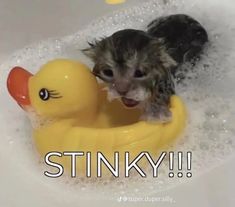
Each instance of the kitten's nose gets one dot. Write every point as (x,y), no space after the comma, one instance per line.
(121,88)
(122,92)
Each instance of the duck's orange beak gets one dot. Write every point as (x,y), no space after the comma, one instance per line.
(17,84)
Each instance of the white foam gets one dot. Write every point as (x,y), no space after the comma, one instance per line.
(208,93)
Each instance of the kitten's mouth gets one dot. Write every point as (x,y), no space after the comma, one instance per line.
(130,103)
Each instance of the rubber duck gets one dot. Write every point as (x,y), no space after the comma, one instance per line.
(74,114)
(115,1)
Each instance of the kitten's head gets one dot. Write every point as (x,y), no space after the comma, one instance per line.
(131,62)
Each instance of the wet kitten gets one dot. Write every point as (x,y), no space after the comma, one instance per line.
(139,66)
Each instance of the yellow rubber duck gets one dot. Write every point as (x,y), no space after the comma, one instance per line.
(74,115)
(115,1)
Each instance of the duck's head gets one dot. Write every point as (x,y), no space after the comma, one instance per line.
(61,88)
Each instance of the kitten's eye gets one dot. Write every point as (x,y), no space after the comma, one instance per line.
(139,74)
(108,73)
(44,94)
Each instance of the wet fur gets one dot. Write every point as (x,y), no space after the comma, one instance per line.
(168,42)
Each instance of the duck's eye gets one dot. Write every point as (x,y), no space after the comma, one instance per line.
(44,94)
(108,73)
(139,74)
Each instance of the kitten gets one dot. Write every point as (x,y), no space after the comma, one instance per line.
(139,66)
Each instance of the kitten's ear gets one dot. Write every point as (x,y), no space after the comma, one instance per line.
(166,60)
(91,51)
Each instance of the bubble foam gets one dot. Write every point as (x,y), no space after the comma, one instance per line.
(207,92)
